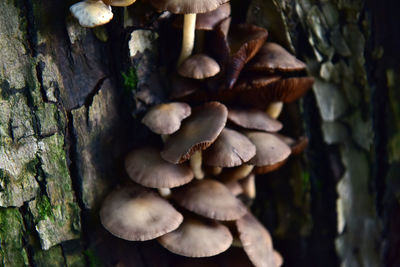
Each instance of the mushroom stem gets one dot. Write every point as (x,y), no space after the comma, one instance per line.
(164,192)
(249,186)
(195,163)
(237,173)
(189,27)
(164,137)
(274,109)
(215,171)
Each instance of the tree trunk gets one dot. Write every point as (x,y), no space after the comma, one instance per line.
(69,101)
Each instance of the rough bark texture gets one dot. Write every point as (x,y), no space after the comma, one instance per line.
(69,99)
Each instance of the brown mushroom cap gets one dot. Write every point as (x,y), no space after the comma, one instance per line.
(146,167)
(210,199)
(199,66)
(270,149)
(166,118)
(136,214)
(274,58)
(231,149)
(297,146)
(256,241)
(195,238)
(207,21)
(187,6)
(199,131)
(285,90)
(254,119)
(119,2)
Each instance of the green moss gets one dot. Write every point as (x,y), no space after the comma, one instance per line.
(44,208)
(130,79)
(306,181)
(12,228)
(92,258)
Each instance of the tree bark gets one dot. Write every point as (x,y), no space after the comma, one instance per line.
(69,102)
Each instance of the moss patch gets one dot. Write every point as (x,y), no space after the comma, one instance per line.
(130,79)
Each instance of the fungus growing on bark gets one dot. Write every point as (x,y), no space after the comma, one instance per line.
(91,13)
(195,238)
(136,214)
(199,66)
(166,118)
(189,8)
(210,199)
(254,119)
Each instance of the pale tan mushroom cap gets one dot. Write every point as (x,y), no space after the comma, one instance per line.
(198,132)
(146,167)
(91,13)
(254,119)
(119,2)
(197,239)
(187,6)
(270,149)
(256,241)
(210,199)
(278,258)
(166,118)
(136,214)
(231,149)
(199,66)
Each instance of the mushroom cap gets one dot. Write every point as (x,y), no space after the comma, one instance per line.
(254,119)
(199,131)
(195,238)
(136,214)
(272,58)
(256,241)
(278,258)
(207,21)
(210,199)
(166,118)
(119,2)
(270,149)
(91,13)
(285,90)
(231,149)
(187,6)
(146,167)
(235,187)
(199,66)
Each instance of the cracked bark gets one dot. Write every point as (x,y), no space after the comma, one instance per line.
(66,121)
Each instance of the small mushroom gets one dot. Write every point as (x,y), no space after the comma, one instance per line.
(166,118)
(235,187)
(136,214)
(146,167)
(210,199)
(256,241)
(199,66)
(254,119)
(271,151)
(274,58)
(196,238)
(237,173)
(297,146)
(231,149)
(198,132)
(189,8)
(248,185)
(119,2)
(91,13)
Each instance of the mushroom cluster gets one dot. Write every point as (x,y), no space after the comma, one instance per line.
(219,131)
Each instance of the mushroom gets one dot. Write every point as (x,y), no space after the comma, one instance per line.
(136,214)
(235,187)
(271,152)
(248,185)
(256,241)
(146,167)
(197,133)
(196,238)
(166,118)
(254,119)
(91,13)
(119,2)
(199,66)
(189,8)
(210,199)
(231,149)
(297,146)
(234,174)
